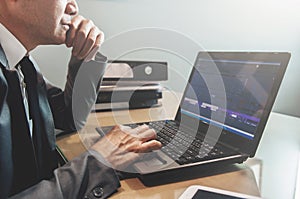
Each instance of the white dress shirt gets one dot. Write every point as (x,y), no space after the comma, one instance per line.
(14,52)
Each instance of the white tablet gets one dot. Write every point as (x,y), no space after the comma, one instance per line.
(200,192)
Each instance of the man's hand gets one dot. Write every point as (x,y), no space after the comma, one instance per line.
(84,37)
(123,145)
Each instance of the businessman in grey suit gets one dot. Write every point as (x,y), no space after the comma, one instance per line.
(30,107)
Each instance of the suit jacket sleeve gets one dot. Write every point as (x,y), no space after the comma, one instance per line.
(85,177)
(71,107)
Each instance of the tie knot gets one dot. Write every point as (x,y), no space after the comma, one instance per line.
(28,70)
(25,62)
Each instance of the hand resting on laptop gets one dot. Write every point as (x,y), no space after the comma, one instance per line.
(123,145)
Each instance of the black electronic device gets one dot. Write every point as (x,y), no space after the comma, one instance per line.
(131,84)
(135,71)
(129,97)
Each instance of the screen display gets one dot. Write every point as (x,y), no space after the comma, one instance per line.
(230,94)
(200,194)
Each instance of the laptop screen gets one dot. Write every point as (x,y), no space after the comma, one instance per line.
(230,93)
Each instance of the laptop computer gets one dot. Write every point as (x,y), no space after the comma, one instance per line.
(222,114)
(225,106)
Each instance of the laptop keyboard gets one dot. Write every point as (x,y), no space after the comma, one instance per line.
(183,147)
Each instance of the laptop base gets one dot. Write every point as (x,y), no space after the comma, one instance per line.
(188,173)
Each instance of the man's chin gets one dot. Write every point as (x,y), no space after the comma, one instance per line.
(59,39)
(58,42)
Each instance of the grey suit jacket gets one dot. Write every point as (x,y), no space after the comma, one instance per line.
(84,177)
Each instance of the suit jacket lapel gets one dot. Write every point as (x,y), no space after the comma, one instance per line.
(3,59)
(3,83)
(6,172)
(45,112)
(45,141)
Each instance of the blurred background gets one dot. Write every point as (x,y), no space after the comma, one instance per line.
(257,25)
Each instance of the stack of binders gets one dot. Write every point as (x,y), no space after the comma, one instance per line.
(131,85)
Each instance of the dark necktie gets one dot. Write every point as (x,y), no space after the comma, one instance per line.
(30,79)
(40,113)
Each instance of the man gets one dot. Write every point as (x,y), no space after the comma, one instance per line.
(28,103)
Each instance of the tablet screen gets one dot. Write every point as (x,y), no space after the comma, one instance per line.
(200,194)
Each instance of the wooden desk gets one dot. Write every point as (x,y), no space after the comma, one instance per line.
(240,180)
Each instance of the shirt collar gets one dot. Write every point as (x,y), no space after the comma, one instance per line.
(12,47)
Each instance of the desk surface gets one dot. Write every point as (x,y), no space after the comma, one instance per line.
(240,180)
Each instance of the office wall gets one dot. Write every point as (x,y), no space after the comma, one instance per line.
(174,30)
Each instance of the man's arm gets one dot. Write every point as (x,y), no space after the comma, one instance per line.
(71,107)
(83,177)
